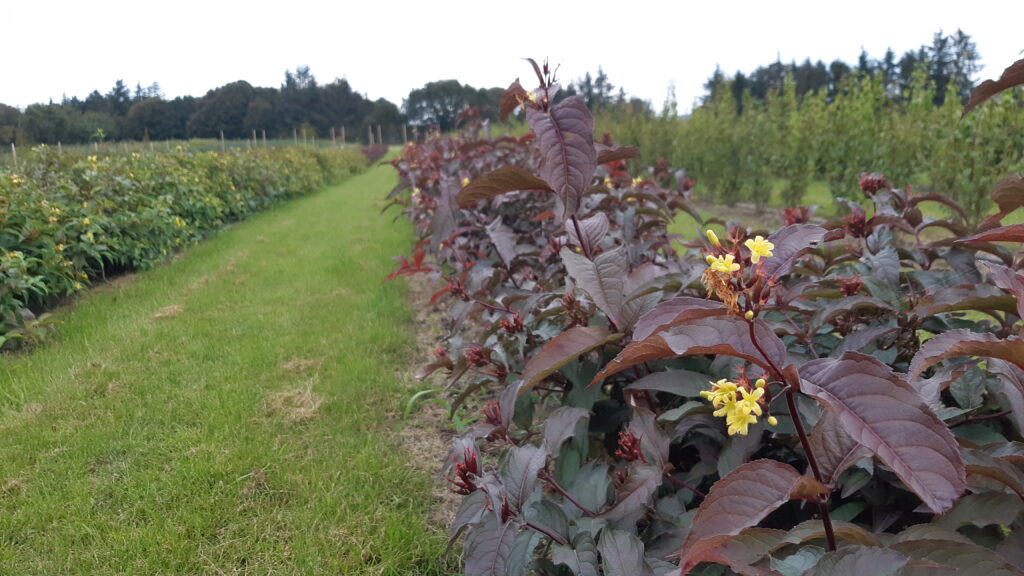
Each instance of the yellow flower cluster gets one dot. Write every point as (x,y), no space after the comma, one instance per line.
(737,404)
(724,264)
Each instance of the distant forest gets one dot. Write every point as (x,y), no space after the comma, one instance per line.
(303,105)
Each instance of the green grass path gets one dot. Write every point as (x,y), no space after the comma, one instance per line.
(173,425)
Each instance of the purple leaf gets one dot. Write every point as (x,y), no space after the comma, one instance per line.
(488,547)
(790,243)
(815,530)
(653,440)
(834,448)
(502,180)
(563,349)
(607,154)
(1011,233)
(726,335)
(857,341)
(446,217)
(561,425)
(964,297)
(1011,381)
(741,500)
(963,342)
(883,413)
(676,311)
(565,136)
(581,557)
(622,553)
(511,99)
(859,560)
(1010,281)
(971,559)
(635,494)
(593,230)
(503,239)
(603,279)
(519,473)
(982,509)
(981,465)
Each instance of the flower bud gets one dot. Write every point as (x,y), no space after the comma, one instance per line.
(749,315)
(713,238)
(773,421)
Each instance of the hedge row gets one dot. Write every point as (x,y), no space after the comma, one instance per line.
(66,219)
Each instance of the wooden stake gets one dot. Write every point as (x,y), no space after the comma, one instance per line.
(405,134)
(379,139)
(342,135)
(264,138)
(14,154)
(59,149)
(222,148)
(369,131)
(334,141)
(295,136)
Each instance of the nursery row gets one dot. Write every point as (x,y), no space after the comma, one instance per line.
(66,219)
(820,399)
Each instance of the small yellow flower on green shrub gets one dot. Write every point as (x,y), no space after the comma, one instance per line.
(86,221)
(759,248)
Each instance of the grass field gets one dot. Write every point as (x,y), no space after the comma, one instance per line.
(231,413)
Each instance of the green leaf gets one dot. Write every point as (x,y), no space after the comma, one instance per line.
(581,557)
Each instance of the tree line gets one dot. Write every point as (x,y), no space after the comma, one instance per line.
(300,105)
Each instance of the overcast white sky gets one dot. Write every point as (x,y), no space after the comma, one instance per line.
(385,49)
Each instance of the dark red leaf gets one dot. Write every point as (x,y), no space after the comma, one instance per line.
(1012,76)
(581,557)
(970,559)
(511,99)
(561,425)
(565,136)
(488,547)
(883,413)
(858,560)
(728,335)
(563,349)
(446,216)
(815,530)
(1010,281)
(1008,195)
(676,311)
(741,500)
(964,297)
(963,342)
(622,553)
(1011,387)
(740,552)
(790,243)
(914,201)
(633,497)
(503,239)
(1011,233)
(834,448)
(607,154)
(603,279)
(593,229)
(502,180)
(519,473)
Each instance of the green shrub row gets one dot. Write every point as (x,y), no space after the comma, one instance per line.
(66,219)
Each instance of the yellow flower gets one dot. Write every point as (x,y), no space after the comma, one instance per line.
(59,248)
(723,264)
(465,182)
(721,392)
(86,222)
(759,248)
(88,236)
(78,285)
(740,414)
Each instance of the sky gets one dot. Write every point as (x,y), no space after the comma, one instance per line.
(67,48)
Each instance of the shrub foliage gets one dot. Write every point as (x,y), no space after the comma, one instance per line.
(820,399)
(66,219)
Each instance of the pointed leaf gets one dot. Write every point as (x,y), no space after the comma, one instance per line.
(676,311)
(635,494)
(1011,233)
(593,229)
(679,382)
(984,465)
(725,335)
(511,99)
(563,349)
(565,136)
(581,557)
(971,559)
(488,547)
(964,297)
(791,242)
(622,553)
(504,241)
(982,509)
(1009,195)
(653,440)
(561,425)
(883,413)
(1011,387)
(445,219)
(1010,281)
(608,154)
(859,560)
(502,180)
(1012,76)
(963,342)
(741,500)
(815,530)
(519,473)
(740,552)
(834,449)
(603,279)
(857,341)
